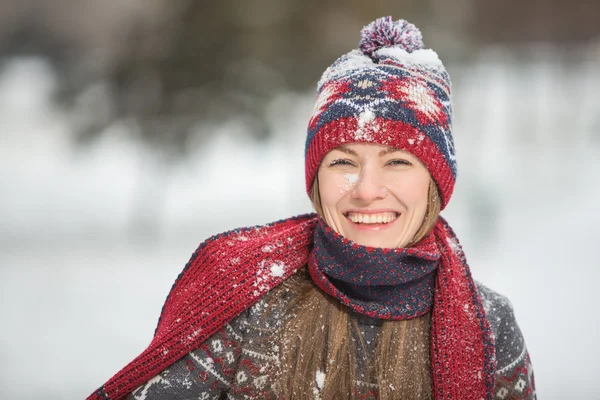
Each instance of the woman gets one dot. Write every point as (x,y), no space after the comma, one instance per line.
(370,298)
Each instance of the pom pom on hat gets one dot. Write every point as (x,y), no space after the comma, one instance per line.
(384,32)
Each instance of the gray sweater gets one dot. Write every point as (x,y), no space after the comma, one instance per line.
(237,361)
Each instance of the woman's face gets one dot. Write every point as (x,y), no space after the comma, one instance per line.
(373,195)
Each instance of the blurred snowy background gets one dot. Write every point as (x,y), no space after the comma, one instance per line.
(131,131)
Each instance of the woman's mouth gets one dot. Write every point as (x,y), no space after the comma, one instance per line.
(372,218)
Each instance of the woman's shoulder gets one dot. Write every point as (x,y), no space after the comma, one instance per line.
(514,372)
(511,351)
(495,304)
(500,314)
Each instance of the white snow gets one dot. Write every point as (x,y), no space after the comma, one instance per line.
(355,60)
(320,377)
(349,181)
(268,248)
(277,269)
(366,117)
(424,57)
(365,125)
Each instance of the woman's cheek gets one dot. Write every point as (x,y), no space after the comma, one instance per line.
(350,181)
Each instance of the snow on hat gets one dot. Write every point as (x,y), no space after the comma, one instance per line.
(391,91)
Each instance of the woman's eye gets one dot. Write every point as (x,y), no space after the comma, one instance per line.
(340,161)
(399,161)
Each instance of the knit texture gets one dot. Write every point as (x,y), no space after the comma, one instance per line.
(391,92)
(380,283)
(227,273)
(232,271)
(241,359)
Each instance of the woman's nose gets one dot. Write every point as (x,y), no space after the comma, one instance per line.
(369,187)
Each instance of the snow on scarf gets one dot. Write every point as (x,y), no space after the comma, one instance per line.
(231,271)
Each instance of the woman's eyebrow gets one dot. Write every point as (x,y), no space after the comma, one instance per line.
(389,150)
(346,150)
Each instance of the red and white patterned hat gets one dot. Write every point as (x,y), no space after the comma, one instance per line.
(391,91)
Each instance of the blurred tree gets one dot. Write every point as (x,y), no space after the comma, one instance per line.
(517,22)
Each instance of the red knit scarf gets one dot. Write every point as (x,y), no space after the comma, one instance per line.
(230,272)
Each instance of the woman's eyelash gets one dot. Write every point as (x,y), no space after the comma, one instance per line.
(344,161)
(399,161)
(340,161)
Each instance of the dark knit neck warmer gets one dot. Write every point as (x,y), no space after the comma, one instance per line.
(230,272)
(380,283)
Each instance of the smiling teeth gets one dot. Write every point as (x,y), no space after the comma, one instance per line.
(381,218)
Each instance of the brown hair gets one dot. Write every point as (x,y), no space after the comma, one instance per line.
(320,335)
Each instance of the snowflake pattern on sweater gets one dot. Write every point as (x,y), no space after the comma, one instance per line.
(240,360)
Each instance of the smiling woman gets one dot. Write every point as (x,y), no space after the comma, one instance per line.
(369,298)
(373,195)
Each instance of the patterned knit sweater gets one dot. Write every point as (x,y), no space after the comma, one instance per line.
(238,361)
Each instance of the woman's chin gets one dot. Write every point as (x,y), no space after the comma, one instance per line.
(373,235)
(374,239)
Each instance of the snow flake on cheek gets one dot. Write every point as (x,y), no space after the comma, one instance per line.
(350,181)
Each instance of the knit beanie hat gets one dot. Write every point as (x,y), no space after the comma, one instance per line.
(391,91)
